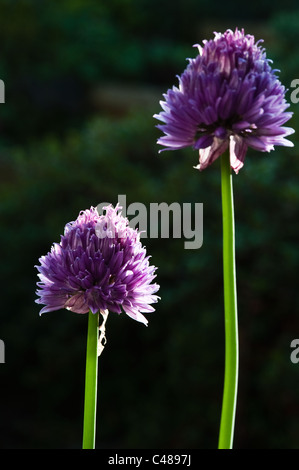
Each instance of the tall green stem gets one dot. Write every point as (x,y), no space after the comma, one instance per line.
(91,379)
(230,309)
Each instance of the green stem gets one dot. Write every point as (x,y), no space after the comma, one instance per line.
(230,309)
(91,378)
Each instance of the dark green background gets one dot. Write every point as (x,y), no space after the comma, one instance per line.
(83,79)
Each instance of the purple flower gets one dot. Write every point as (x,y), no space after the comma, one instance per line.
(228,96)
(98,265)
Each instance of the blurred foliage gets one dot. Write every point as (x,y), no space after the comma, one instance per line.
(159,386)
(156,386)
(44,186)
(51,55)
(286,27)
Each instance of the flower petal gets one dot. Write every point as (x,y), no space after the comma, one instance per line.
(208,155)
(237,150)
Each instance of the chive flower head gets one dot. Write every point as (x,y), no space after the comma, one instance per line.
(99,264)
(228,97)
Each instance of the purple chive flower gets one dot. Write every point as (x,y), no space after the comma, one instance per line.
(98,265)
(228,96)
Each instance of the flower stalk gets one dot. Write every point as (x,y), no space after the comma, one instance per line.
(228,99)
(230,309)
(99,266)
(91,379)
